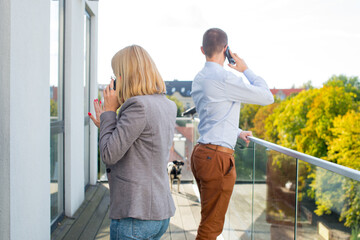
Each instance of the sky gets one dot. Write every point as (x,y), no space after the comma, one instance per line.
(285,42)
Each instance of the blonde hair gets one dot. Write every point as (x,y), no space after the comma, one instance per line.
(136,73)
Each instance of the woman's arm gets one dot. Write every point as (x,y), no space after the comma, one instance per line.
(117,136)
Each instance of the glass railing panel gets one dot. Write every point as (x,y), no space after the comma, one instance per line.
(274,203)
(329,204)
(244,161)
(238,219)
(101,165)
(183,142)
(56,175)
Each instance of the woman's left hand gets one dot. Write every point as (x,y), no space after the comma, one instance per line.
(111,102)
(98,111)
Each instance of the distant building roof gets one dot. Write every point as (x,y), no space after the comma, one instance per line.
(282,93)
(183,87)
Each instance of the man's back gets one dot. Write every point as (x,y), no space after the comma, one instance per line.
(217,95)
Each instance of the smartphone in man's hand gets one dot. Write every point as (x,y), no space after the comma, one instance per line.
(229,57)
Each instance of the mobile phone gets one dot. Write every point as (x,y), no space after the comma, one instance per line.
(228,56)
(114,78)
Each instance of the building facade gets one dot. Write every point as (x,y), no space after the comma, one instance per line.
(48,79)
(182,91)
(284,93)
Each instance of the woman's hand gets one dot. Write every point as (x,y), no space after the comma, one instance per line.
(98,111)
(111,102)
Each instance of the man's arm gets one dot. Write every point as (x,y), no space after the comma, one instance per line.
(257,92)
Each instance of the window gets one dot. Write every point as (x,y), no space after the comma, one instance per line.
(56,110)
(182,90)
(173,90)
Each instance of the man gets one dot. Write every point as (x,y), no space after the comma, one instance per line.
(217,94)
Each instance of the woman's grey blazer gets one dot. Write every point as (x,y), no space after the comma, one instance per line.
(135,146)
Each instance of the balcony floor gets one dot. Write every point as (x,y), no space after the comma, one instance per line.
(91,219)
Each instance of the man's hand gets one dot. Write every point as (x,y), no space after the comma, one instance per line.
(240,64)
(244,136)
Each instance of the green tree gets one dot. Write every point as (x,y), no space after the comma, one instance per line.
(344,149)
(53,108)
(328,104)
(307,85)
(351,84)
(179,105)
(260,120)
(287,120)
(247,114)
(323,123)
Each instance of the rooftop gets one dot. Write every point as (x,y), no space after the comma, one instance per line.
(182,87)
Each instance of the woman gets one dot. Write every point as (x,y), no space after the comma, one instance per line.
(135,146)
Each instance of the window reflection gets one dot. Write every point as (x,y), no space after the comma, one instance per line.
(56,174)
(56,109)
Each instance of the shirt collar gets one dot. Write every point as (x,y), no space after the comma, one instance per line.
(213,65)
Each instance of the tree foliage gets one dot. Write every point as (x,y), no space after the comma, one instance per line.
(53,108)
(285,124)
(179,105)
(247,114)
(330,103)
(350,84)
(324,123)
(260,120)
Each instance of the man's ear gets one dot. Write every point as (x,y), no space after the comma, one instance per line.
(225,47)
(202,50)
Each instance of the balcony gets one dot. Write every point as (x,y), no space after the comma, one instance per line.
(279,194)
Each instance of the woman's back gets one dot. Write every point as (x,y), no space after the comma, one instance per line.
(135,147)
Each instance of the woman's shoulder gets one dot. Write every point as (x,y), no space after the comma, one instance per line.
(147,99)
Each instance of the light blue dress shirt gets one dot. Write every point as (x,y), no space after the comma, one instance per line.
(217,94)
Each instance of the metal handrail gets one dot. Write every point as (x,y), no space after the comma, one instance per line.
(336,168)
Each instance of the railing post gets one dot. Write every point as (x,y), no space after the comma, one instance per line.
(253,193)
(296,197)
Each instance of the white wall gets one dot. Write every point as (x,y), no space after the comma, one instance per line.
(74,105)
(25,111)
(4,119)
(24,121)
(74,102)
(93,10)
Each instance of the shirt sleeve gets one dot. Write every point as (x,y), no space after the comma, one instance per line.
(117,136)
(239,131)
(257,92)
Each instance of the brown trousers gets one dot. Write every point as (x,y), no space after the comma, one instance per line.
(214,170)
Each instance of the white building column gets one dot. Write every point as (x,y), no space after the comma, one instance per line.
(74,105)
(24,119)
(93,9)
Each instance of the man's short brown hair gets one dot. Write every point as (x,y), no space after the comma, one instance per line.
(214,41)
